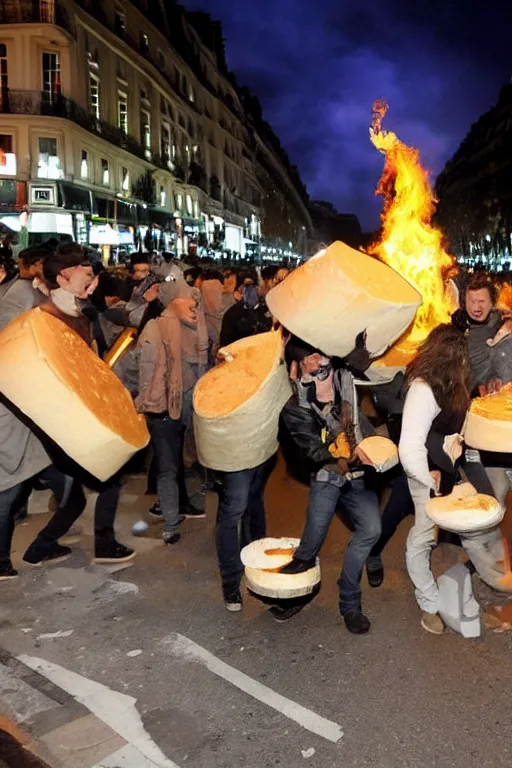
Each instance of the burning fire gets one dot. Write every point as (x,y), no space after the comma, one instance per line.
(409,242)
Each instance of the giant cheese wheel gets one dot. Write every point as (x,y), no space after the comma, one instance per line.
(262,560)
(465,511)
(237,404)
(489,422)
(51,375)
(340,292)
(379,452)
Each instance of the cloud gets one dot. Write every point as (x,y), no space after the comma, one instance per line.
(317,66)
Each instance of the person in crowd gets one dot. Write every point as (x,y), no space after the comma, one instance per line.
(241,519)
(490,366)
(194,277)
(437,382)
(139,271)
(268,278)
(27,290)
(212,291)
(71,280)
(248,316)
(172,356)
(8,270)
(323,407)
(281,274)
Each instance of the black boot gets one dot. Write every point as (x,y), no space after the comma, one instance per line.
(298,566)
(357,623)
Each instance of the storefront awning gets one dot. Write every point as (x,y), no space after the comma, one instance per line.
(162,219)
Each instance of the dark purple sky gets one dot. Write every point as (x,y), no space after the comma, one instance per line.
(318,65)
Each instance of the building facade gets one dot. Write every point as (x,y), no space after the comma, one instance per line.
(121,126)
(475,192)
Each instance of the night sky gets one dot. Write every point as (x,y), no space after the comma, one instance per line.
(318,65)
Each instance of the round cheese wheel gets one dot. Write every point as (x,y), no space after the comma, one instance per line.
(488,425)
(237,404)
(465,513)
(262,560)
(340,292)
(51,375)
(381,453)
(269,554)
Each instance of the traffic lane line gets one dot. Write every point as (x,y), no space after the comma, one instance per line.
(181,647)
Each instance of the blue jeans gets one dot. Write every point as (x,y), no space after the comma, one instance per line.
(361,507)
(9,501)
(240,518)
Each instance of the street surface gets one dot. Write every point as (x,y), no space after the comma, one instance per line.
(143,666)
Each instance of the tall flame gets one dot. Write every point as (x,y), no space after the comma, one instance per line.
(409,243)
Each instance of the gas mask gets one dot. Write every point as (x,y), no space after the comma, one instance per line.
(319,374)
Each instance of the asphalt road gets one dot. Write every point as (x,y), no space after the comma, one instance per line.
(401,697)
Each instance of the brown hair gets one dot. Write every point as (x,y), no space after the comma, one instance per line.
(481,280)
(442,362)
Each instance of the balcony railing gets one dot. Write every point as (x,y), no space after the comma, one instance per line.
(40,103)
(35,12)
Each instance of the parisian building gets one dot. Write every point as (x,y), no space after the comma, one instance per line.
(122,127)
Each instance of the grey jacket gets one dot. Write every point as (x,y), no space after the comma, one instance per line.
(20,297)
(21,453)
(479,350)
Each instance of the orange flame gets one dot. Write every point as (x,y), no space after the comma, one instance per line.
(409,242)
(505,298)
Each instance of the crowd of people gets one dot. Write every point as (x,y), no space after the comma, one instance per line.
(174,318)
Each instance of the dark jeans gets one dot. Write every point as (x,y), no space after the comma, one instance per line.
(71,503)
(399,506)
(167,437)
(240,518)
(361,507)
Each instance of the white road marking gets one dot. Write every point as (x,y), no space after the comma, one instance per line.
(115,709)
(183,647)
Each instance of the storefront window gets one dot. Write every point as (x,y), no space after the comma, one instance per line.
(48,164)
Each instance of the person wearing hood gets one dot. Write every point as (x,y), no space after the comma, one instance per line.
(8,270)
(212,291)
(173,354)
(247,317)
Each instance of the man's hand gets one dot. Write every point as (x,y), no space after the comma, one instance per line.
(494,386)
(343,467)
(185,310)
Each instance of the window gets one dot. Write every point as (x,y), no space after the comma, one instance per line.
(49,165)
(122,111)
(105,174)
(7,156)
(189,205)
(165,149)
(191,94)
(121,68)
(120,23)
(3,69)
(145,132)
(125,179)
(187,155)
(179,202)
(94,95)
(84,166)
(51,76)
(162,196)
(144,43)
(47,11)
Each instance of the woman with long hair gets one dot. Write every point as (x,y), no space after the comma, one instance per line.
(437,383)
